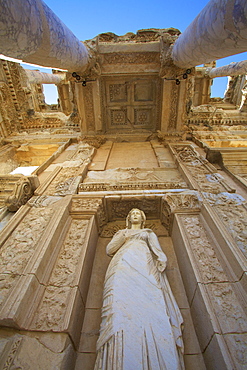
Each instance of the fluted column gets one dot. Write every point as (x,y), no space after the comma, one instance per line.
(30,31)
(219,30)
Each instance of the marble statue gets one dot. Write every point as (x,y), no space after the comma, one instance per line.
(141,322)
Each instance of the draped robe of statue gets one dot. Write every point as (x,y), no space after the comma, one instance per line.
(141,322)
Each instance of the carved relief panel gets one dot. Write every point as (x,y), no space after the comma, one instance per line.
(131,103)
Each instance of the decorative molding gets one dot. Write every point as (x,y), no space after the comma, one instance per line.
(20,247)
(82,205)
(94,141)
(61,179)
(89,107)
(131,58)
(172,124)
(84,187)
(183,202)
(200,173)
(202,249)
(118,92)
(232,210)
(43,201)
(12,353)
(54,305)
(165,137)
(67,187)
(132,179)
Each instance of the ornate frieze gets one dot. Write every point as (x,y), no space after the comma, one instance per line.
(184,202)
(20,246)
(232,210)
(12,352)
(200,172)
(132,179)
(172,124)
(52,310)
(67,175)
(126,186)
(214,295)
(84,205)
(94,141)
(64,182)
(16,91)
(67,187)
(8,111)
(170,137)
(207,262)
(89,107)
(169,35)
(131,58)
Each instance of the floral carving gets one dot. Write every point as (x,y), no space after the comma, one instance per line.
(12,353)
(203,252)
(232,210)
(131,58)
(201,170)
(82,205)
(67,187)
(229,312)
(184,201)
(85,204)
(89,107)
(64,175)
(173,110)
(94,141)
(20,246)
(65,276)
(187,201)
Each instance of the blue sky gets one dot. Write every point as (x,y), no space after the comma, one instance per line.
(86,19)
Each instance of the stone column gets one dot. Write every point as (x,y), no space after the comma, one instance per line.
(232,69)
(64,98)
(30,31)
(220,30)
(36,77)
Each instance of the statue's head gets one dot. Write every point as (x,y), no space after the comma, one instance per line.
(135,216)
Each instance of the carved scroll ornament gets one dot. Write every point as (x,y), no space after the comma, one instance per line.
(22,192)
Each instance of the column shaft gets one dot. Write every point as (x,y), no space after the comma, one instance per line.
(219,30)
(36,77)
(232,69)
(30,31)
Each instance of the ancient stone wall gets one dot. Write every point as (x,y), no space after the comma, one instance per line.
(53,257)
